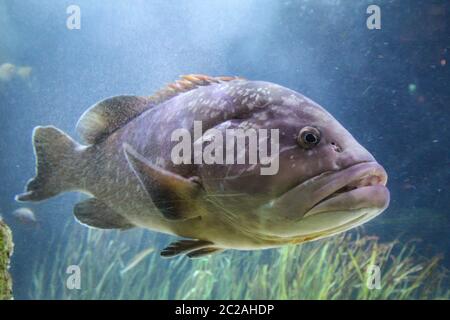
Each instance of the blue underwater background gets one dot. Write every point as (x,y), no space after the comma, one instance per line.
(390,88)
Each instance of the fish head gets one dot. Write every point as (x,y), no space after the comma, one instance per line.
(325,181)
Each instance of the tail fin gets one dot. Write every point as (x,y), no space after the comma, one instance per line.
(56,155)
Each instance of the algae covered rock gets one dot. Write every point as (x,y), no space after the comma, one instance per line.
(6,249)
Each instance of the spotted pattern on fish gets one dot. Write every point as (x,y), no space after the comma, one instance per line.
(126,167)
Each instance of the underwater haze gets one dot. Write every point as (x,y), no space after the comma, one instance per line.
(389,87)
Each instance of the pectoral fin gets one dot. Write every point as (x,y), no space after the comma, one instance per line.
(174,195)
(95,213)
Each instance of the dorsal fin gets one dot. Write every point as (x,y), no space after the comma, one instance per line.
(186,83)
(108,115)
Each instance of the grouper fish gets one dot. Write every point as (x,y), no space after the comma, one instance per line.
(326,182)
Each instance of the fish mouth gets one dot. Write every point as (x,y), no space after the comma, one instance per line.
(352,188)
(344,199)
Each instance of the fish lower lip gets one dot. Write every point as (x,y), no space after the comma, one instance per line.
(376,196)
(336,193)
(362,175)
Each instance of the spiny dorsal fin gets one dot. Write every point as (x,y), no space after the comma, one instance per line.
(186,83)
(108,115)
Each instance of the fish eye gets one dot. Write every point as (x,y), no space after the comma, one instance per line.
(308,137)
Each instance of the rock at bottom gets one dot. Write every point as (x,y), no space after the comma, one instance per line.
(6,249)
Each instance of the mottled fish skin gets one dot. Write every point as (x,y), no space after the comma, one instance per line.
(231,211)
(110,179)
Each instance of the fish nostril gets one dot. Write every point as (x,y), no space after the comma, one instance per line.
(336,147)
